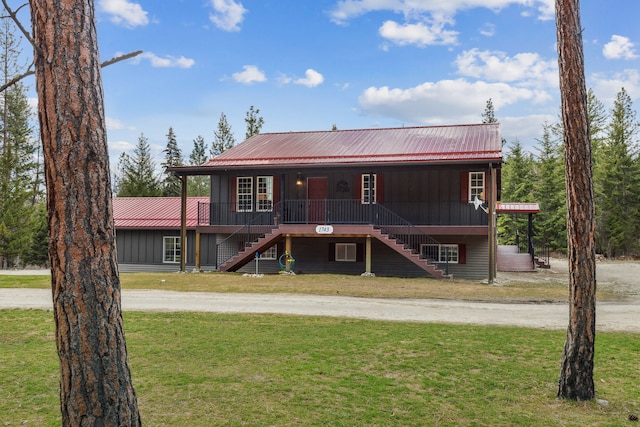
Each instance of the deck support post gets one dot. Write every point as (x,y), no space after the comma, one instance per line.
(287,249)
(197,251)
(368,255)
(183,225)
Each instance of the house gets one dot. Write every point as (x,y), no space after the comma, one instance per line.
(148,233)
(390,202)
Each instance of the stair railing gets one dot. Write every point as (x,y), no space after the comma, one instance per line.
(261,224)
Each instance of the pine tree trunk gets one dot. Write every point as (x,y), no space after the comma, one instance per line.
(95,385)
(576,375)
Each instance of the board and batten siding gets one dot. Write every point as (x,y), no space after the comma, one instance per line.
(312,257)
(141,250)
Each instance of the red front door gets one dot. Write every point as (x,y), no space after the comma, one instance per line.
(317,192)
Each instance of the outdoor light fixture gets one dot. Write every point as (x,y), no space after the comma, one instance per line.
(299,181)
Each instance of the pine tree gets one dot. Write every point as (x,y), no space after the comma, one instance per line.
(137,176)
(488,116)
(18,168)
(516,187)
(223,137)
(198,185)
(254,122)
(172,185)
(550,192)
(618,180)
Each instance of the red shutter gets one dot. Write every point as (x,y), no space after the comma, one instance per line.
(276,189)
(357,188)
(464,187)
(332,251)
(462,254)
(380,188)
(233,182)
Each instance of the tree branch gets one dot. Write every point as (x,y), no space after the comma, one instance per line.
(31,72)
(14,17)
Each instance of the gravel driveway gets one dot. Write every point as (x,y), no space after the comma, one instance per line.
(610,316)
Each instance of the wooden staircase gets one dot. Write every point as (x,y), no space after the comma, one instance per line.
(409,254)
(249,252)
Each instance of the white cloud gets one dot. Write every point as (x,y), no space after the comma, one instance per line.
(420,34)
(444,102)
(619,48)
(312,79)
(115,124)
(251,74)
(124,12)
(168,61)
(526,68)
(488,30)
(227,14)
(349,9)
(606,87)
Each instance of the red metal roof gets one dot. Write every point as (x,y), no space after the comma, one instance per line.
(154,212)
(517,207)
(426,144)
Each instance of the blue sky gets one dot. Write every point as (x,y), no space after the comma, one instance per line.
(309,64)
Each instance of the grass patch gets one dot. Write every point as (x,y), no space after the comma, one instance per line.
(528,286)
(206,369)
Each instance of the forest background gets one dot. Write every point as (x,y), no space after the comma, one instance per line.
(536,176)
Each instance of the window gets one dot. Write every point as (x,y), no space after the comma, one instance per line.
(368,188)
(265,194)
(244,189)
(171,249)
(476,186)
(346,252)
(271,253)
(440,253)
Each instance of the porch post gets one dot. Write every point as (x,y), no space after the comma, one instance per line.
(183,225)
(492,223)
(368,256)
(197,250)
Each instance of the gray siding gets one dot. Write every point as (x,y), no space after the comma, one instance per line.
(144,247)
(312,257)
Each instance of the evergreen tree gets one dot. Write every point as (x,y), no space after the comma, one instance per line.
(617,191)
(550,192)
(137,176)
(223,137)
(18,166)
(489,116)
(254,122)
(517,174)
(198,185)
(38,253)
(172,185)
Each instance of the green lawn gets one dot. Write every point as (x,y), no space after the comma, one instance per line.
(534,287)
(193,369)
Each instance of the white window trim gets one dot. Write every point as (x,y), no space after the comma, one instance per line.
(249,206)
(454,253)
(472,193)
(270,253)
(268,195)
(363,189)
(176,243)
(345,248)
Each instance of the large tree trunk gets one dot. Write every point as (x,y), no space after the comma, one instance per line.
(95,385)
(576,375)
